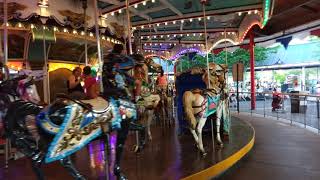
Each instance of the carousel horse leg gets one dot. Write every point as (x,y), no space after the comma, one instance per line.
(201,123)
(149,121)
(142,135)
(218,122)
(36,161)
(67,164)
(28,147)
(226,118)
(121,139)
(195,136)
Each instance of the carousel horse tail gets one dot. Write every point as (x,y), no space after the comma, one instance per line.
(188,109)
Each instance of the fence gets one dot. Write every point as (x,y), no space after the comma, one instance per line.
(297,108)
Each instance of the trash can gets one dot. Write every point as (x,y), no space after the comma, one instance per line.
(295,102)
(298,103)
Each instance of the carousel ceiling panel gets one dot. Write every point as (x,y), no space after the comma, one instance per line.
(161,13)
(191,6)
(136,18)
(295,13)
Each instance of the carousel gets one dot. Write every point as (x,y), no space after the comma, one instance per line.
(160,108)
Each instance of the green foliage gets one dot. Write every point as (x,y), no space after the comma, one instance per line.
(281,78)
(239,55)
(242,55)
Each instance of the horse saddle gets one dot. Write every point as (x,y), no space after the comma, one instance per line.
(98,105)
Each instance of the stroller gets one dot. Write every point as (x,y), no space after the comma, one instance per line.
(277,102)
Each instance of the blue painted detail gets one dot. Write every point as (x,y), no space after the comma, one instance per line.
(116,120)
(54,143)
(212,105)
(44,122)
(87,119)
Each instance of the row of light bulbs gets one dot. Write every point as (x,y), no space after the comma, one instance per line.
(135,6)
(175,35)
(169,44)
(188,19)
(65,30)
(170,35)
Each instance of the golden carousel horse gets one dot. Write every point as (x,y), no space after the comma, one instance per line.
(200,103)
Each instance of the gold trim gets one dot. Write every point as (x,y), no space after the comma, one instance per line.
(222,166)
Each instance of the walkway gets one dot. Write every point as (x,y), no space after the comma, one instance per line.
(280,152)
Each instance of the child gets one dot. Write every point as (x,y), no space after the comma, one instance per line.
(120,81)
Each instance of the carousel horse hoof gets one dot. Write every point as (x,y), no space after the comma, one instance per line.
(118,173)
(204,154)
(136,149)
(220,145)
(80,177)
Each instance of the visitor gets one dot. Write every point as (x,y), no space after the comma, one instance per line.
(4,72)
(114,64)
(75,88)
(162,81)
(91,87)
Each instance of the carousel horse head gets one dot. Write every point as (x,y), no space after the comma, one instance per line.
(211,77)
(28,90)
(221,72)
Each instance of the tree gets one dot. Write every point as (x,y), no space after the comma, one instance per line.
(242,55)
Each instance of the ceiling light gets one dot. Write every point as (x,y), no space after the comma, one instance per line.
(158,24)
(142,27)
(166,23)
(120,11)
(153,1)
(239,13)
(191,19)
(208,17)
(182,21)
(199,19)
(112,13)
(255,11)
(144,3)
(136,6)
(174,22)
(249,12)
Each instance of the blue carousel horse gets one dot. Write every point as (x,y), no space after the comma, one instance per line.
(64,127)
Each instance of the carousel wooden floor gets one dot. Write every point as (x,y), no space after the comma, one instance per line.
(167,156)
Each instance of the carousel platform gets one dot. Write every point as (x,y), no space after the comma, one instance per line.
(167,156)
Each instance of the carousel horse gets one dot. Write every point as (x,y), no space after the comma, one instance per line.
(201,103)
(62,128)
(151,99)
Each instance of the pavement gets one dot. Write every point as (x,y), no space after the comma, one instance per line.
(281,151)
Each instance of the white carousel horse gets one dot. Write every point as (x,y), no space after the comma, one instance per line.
(199,104)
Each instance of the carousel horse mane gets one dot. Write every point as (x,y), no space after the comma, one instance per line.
(10,86)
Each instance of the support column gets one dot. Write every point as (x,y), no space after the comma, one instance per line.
(303,79)
(252,75)
(5,32)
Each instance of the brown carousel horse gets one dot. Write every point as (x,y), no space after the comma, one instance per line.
(200,103)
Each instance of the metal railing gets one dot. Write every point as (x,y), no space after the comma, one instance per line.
(300,109)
